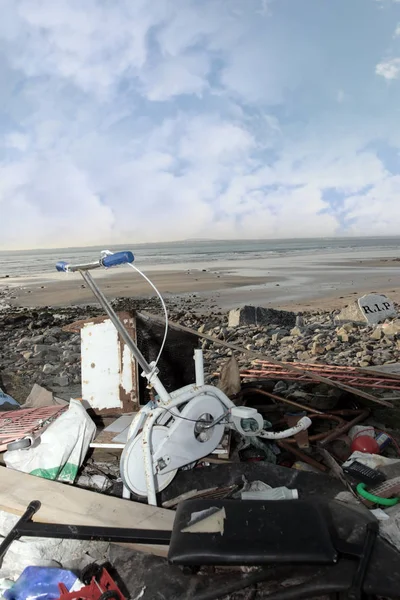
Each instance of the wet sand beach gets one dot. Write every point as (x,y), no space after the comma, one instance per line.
(325,280)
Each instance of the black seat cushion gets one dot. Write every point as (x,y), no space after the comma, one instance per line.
(254,533)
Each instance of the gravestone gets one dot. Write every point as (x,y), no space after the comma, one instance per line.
(376,308)
(362,311)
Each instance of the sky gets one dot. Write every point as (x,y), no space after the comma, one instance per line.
(163,120)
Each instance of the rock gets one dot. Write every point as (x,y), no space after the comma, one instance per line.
(317,349)
(262,341)
(330,346)
(256,315)
(48,369)
(299,347)
(392,328)
(274,338)
(41,348)
(351,313)
(61,380)
(342,334)
(377,333)
(27,355)
(296,332)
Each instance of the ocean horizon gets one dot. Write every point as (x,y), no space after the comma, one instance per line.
(16,263)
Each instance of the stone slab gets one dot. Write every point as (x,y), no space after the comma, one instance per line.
(376,308)
(256,315)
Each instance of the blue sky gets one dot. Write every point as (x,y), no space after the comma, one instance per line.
(130,120)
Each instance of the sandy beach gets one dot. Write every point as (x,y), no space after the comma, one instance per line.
(304,281)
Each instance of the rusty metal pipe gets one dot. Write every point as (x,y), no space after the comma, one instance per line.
(279,399)
(363,414)
(302,455)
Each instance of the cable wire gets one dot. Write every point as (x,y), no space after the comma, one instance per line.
(164,309)
(109,253)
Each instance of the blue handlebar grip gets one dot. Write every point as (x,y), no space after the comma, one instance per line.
(118,258)
(62,266)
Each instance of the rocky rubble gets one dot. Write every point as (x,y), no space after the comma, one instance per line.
(35,349)
(318,338)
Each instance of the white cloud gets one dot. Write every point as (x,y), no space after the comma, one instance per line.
(167,120)
(17,141)
(376,211)
(177,76)
(389,69)
(50,202)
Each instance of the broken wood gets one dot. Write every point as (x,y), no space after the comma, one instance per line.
(62,503)
(258,355)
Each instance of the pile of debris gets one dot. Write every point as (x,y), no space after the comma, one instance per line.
(299,416)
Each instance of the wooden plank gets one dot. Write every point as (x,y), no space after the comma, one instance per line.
(63,503)
(259,355)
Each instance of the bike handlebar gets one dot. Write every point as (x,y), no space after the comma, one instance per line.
(118,258)
(110,260)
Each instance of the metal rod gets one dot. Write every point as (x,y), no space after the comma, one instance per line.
(302,455)
(257,390)
(199,367)
(14,533)
(344,428)
(356,590)
(88,532)
(116,322)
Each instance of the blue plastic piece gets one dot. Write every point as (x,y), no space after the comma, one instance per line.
(118,258)
(6,399)
(62,266)
(40,583)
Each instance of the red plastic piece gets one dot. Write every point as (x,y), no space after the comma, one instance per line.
(365,443)
(96,588)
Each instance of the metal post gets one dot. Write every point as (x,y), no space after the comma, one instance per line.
(199,367)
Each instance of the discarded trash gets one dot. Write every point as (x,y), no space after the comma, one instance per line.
(380,514)
(40,397)
(279,493)
(99,585)
(62,448)
(365,443)
(38,583)
(356,430)
(6,399)
(26,422)
(210,520)
(264,369)
(374,461)
(383,440)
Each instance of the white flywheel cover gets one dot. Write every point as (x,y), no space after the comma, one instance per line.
(132,464)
